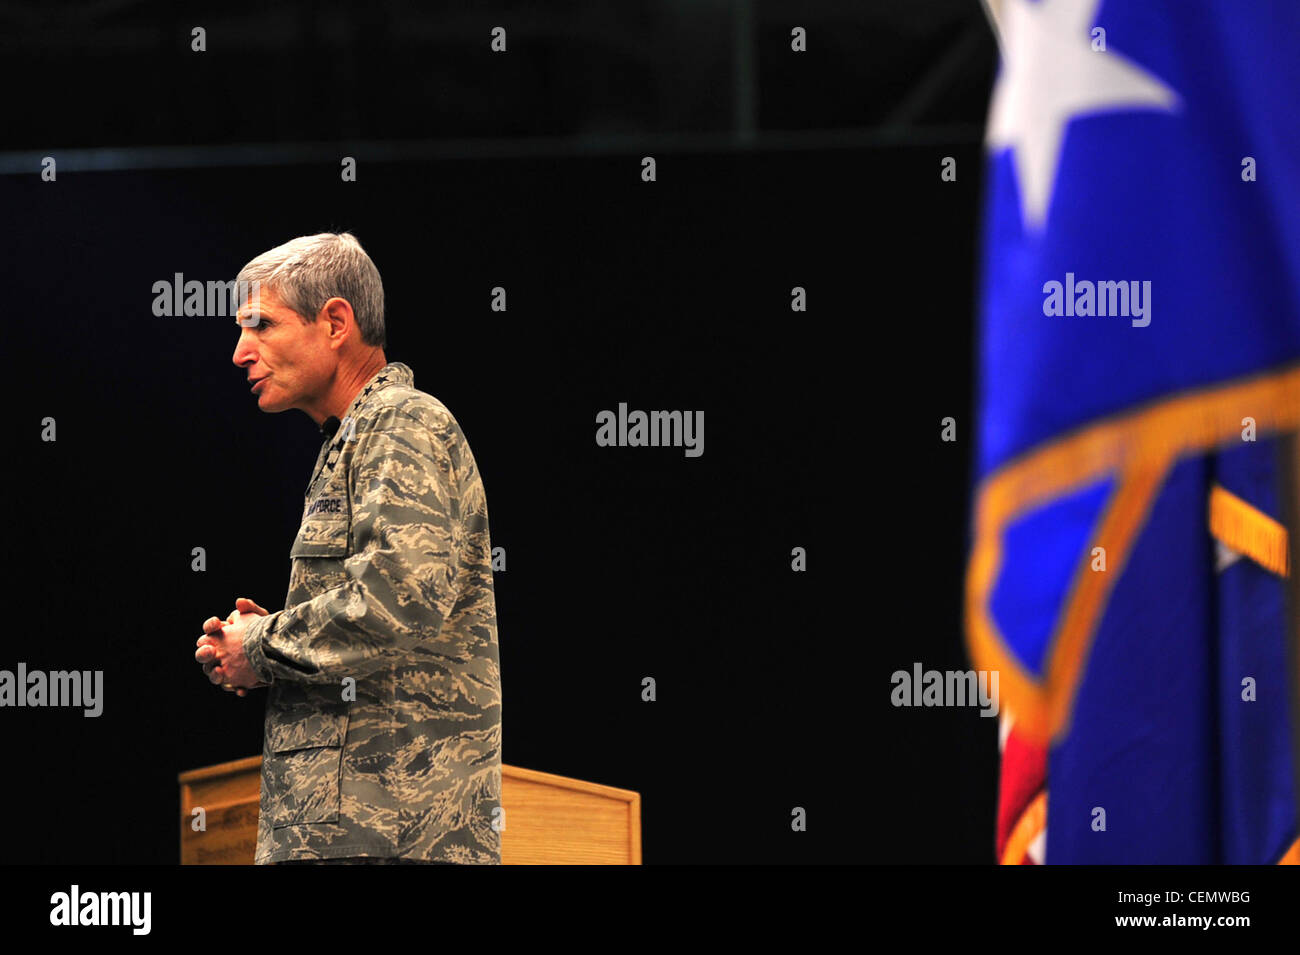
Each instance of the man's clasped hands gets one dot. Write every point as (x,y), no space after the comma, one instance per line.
(221,649)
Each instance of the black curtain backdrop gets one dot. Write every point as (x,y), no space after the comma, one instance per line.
(822,431)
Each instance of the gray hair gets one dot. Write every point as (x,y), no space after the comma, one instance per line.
(308,271)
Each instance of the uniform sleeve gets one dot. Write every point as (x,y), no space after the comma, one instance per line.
(400,576)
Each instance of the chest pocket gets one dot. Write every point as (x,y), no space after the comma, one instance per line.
(324,533)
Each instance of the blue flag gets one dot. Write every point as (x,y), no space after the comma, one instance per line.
(1139,396)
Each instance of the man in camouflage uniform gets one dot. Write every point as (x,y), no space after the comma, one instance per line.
(383,719)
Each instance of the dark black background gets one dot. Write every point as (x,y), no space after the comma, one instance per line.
(821,431)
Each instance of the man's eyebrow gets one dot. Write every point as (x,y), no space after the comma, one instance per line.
(252,314)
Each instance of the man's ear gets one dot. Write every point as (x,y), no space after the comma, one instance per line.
(338,313)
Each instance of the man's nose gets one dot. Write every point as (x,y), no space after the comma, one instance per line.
(244,352)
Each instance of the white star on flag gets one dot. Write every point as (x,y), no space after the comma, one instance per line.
(1051,75)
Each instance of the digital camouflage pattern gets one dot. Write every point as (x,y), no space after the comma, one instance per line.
(390,585)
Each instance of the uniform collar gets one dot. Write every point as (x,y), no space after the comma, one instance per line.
(394,373)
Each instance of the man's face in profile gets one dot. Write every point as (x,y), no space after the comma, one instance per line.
(288,363)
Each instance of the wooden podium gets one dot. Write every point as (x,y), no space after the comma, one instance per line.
(550,820)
